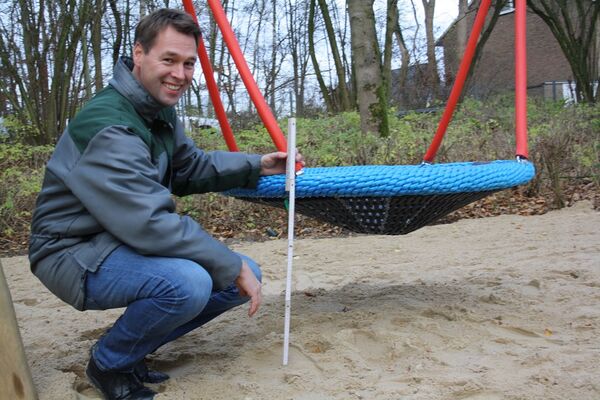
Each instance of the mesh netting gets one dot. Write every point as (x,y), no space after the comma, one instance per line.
(379,215)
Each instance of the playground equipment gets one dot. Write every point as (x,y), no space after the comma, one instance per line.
(386,199)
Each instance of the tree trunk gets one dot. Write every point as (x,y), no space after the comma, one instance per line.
(295,25)
(344,97)
(462,28)
(404,63)
(433,79)
(393,30)
(304,58)
(256,52)
(143,8)
(125,34)
(485,34)
(371,93)
(97,42)
(391,23)
(313,57)
(87,77)
(273,70)
(118,30)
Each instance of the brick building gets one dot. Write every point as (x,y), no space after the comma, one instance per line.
(548,72)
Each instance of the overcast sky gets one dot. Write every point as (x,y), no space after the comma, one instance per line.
(445,12)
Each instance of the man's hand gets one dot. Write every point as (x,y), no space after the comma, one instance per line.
(274,163)
(249,286)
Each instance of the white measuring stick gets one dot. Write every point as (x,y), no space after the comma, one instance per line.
(290,187)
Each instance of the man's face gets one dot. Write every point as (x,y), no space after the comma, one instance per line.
(166,70)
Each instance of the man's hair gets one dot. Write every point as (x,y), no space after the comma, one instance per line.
(152,24)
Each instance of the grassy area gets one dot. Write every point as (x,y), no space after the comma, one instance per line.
(564,145)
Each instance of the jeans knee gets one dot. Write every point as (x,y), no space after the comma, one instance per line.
(194,287)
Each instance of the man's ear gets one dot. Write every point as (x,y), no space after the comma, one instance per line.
(138,52)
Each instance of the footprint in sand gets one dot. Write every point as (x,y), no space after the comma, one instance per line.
(179,366)
(304,361)
(29,302)
(366,344)
(86,391)
(317,346)
(447,315)
(92,334)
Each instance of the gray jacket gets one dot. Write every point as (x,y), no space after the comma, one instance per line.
(109,182)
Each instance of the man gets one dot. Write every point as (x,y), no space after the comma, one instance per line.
(105,233)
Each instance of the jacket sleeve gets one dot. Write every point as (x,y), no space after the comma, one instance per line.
(118,184)
(196,171)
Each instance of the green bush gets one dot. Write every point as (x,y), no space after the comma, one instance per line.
(21,174)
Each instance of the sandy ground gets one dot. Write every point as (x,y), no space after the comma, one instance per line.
(498,308)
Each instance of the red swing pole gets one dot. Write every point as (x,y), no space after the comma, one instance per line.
(213,89)
(521,78)
(257,98)
(459,83)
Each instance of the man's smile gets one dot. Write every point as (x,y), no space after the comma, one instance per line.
(172,86)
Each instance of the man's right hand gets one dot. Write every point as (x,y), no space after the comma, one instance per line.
(249,286)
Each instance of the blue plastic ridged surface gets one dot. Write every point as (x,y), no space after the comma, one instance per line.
(396,180)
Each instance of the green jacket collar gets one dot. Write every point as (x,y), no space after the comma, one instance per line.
(130,88)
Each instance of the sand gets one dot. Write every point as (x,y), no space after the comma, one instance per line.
(498,308)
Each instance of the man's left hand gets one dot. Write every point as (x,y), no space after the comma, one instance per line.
(275,163)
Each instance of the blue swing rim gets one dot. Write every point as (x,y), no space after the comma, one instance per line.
(397,180)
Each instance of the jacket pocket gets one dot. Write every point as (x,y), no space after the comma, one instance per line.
(64,277)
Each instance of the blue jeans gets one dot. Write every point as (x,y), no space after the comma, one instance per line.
(165,299)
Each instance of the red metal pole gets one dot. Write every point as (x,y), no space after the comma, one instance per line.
(213,89)
(521,78)
(461,77)
(257,98)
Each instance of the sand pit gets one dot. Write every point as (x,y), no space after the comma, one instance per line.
(497,308)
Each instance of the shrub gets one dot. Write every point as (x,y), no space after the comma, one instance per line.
(21,174)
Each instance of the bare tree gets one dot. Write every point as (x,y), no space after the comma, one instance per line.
(342,89)
(297,36)
(313,57)
(96,41)
(391,22)
(393,30)
(433,79)
(118,36)
(574,24)
(273,71)
(462,28)
(47,40)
